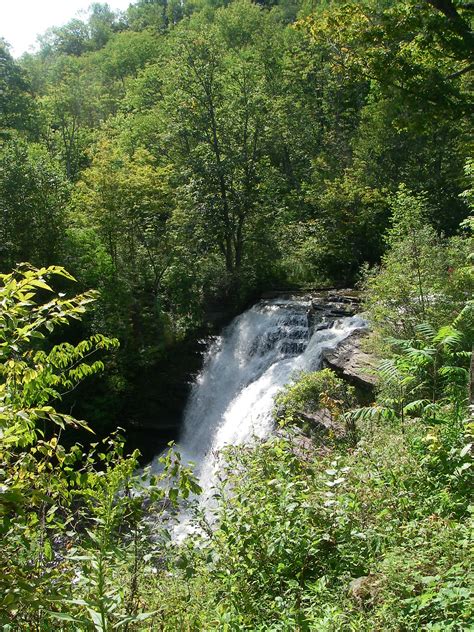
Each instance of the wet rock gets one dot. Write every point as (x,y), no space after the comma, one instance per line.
(352,363)
(350,299)
(343,298)
(335,305)
(337,312)
(292,347)
(324,325)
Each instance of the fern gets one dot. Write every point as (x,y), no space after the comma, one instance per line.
(426,330)
(449,337)
(416,406)
(388,370)
(454,373)
(370,413)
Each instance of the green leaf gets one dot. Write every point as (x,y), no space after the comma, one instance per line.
(143,616)
(62,616)
(96,619)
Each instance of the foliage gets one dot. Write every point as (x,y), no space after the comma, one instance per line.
(33,192)
(242,146)
(17,107)
(297,526)
(312,392)
(71,522)
(216,102)
(181,157)
(31,379)
(123,203)
(78,36)
(422,277)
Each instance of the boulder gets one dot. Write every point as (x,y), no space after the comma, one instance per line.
(321,423)
(320,307)
(352,363)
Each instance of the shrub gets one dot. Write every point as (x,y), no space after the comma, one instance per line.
(298,402)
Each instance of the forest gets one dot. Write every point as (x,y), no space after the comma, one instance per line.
(161,169)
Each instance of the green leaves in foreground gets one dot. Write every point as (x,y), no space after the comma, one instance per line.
(75,543)
(34,373)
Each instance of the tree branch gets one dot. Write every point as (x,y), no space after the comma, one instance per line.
(461,72)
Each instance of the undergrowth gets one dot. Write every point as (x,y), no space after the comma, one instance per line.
(363,531)
(299,527)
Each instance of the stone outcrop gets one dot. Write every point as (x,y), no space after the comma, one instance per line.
(321,423)
(335,304)
(352,363)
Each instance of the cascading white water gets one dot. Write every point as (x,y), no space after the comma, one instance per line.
(259,352)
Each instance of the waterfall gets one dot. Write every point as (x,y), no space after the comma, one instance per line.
(259,352)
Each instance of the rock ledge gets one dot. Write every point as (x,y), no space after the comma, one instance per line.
(352,363)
